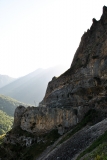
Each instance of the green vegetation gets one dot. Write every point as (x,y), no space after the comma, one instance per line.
(90,118)
(1,138)
(100,153)
(7,108)
(98,150)
(6,122)
(8,104)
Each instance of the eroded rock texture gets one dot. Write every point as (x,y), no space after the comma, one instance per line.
(41,120)
(84,85)
(81,87)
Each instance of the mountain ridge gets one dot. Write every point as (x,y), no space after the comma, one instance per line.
(8,105)
(23,88)
(5,79)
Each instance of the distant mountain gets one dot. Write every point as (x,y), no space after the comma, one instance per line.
(7,108)
(8,105)
(4,80)
(31,88)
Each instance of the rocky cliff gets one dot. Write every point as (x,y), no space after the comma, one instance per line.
(69,97)
(82,87)
(85,82)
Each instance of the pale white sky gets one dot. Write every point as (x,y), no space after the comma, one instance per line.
(42,33)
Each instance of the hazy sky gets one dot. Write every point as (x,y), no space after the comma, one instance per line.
(42,33)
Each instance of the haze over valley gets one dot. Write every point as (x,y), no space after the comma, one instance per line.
(5,79)
(30,89)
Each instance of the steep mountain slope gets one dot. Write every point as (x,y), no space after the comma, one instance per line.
(4,80)
(78,142)
(7,108)
(84,84)
(31,88)
(8,105)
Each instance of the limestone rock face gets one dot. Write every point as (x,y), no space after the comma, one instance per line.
(84,84)
(41,120)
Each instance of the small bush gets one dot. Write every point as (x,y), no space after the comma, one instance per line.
(98,157)
(1,138)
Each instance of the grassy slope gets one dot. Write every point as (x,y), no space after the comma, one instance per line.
(6,122)
(7,108)
(8,104)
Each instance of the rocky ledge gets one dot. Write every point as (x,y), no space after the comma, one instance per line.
(41,120)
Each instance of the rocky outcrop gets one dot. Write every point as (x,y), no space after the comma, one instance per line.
(18,115)
(41,120)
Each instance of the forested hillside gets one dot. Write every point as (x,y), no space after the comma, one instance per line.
(7,108)
(6,122)
(8,104)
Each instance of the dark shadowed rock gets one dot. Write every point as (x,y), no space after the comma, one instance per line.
(84,84)
(19,111)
